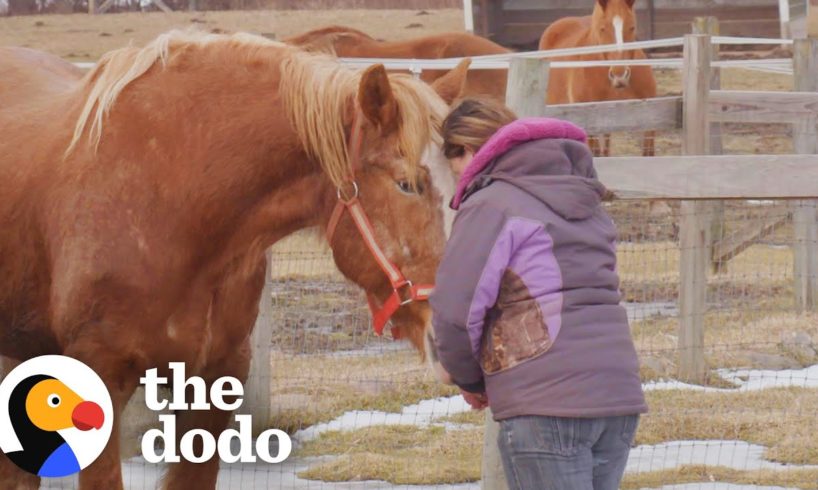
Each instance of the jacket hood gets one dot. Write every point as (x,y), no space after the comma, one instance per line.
(546,158)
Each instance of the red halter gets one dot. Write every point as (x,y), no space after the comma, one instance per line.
(403,290)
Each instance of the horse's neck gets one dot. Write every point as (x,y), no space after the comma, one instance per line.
(302,203)
(588,39)
(234,163)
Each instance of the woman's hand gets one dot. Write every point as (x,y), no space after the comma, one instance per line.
(477,401)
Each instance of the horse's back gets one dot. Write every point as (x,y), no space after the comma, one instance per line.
(28,74)
(331,39)
(462,45)
(316,34)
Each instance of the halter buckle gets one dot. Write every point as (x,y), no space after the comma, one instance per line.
(410,297)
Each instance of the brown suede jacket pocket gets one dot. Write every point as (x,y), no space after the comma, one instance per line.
(516,330)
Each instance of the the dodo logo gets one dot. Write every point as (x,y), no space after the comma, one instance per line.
(55,416)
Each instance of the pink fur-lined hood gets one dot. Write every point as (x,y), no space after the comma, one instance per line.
(509,136)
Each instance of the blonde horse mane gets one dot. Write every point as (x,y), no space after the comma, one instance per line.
(316,91)
(119,68)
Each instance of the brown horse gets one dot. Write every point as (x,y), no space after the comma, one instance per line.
(612,22)
(137,203)
(23,70)
(352,43)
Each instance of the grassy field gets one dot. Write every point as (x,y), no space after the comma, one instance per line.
(780,419)
(81,37)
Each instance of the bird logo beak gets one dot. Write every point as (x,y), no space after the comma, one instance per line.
(87,416)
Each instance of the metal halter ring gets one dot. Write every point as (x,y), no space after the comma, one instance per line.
(343,198)
(411,298)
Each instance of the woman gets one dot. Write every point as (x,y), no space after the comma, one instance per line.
(526,305)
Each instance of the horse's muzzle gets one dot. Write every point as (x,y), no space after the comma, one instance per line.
(619,80)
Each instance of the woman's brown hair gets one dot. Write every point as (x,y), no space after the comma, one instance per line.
(471,123)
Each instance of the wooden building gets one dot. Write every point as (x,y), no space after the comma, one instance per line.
(519,23)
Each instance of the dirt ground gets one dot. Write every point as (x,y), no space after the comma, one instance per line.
(81,37)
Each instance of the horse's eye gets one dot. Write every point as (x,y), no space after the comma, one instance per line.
(54,401)
(406,187)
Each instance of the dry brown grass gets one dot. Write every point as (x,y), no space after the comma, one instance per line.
(399,455)
(783,420)
(659,261)
(803,479)
(80,37)
(732,340)
(313,389)
(669,80)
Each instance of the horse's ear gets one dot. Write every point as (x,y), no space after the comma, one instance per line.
(602,3)
(630,3)
(452,85)
(376,99)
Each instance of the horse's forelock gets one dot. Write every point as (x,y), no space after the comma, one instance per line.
(317,91)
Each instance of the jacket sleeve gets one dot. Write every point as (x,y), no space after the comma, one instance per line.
(466,287)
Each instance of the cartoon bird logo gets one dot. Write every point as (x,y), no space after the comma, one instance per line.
(39,407)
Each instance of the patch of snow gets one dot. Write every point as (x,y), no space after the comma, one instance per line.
(738,455)
(748,380)
(759,379)
(420,414)
(717,486)
(138,474)
(643,311)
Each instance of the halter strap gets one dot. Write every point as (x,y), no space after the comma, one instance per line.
(403,290)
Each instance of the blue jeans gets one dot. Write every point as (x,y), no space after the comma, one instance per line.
(554,453)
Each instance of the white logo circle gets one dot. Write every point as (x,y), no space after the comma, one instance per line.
(56,416)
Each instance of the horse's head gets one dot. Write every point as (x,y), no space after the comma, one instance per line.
(391,214)
(614,22)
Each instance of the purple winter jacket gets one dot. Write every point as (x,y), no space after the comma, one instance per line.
(526,301)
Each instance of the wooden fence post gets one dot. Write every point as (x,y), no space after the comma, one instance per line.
(525,95)
(527,86)
(710,26)
(695,223)
(257,399)
(805,213)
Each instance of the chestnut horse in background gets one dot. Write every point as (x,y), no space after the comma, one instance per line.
(347,42)
(136,204)
(612,22)
(28,74)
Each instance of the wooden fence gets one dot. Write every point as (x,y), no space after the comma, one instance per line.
(522,22)
(697,179)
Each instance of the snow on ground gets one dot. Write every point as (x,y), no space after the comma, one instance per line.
(759,379)
(738,455)
(420,414)
(139,475)
(424,413)
(717,486)
(642,311)
(749,380)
